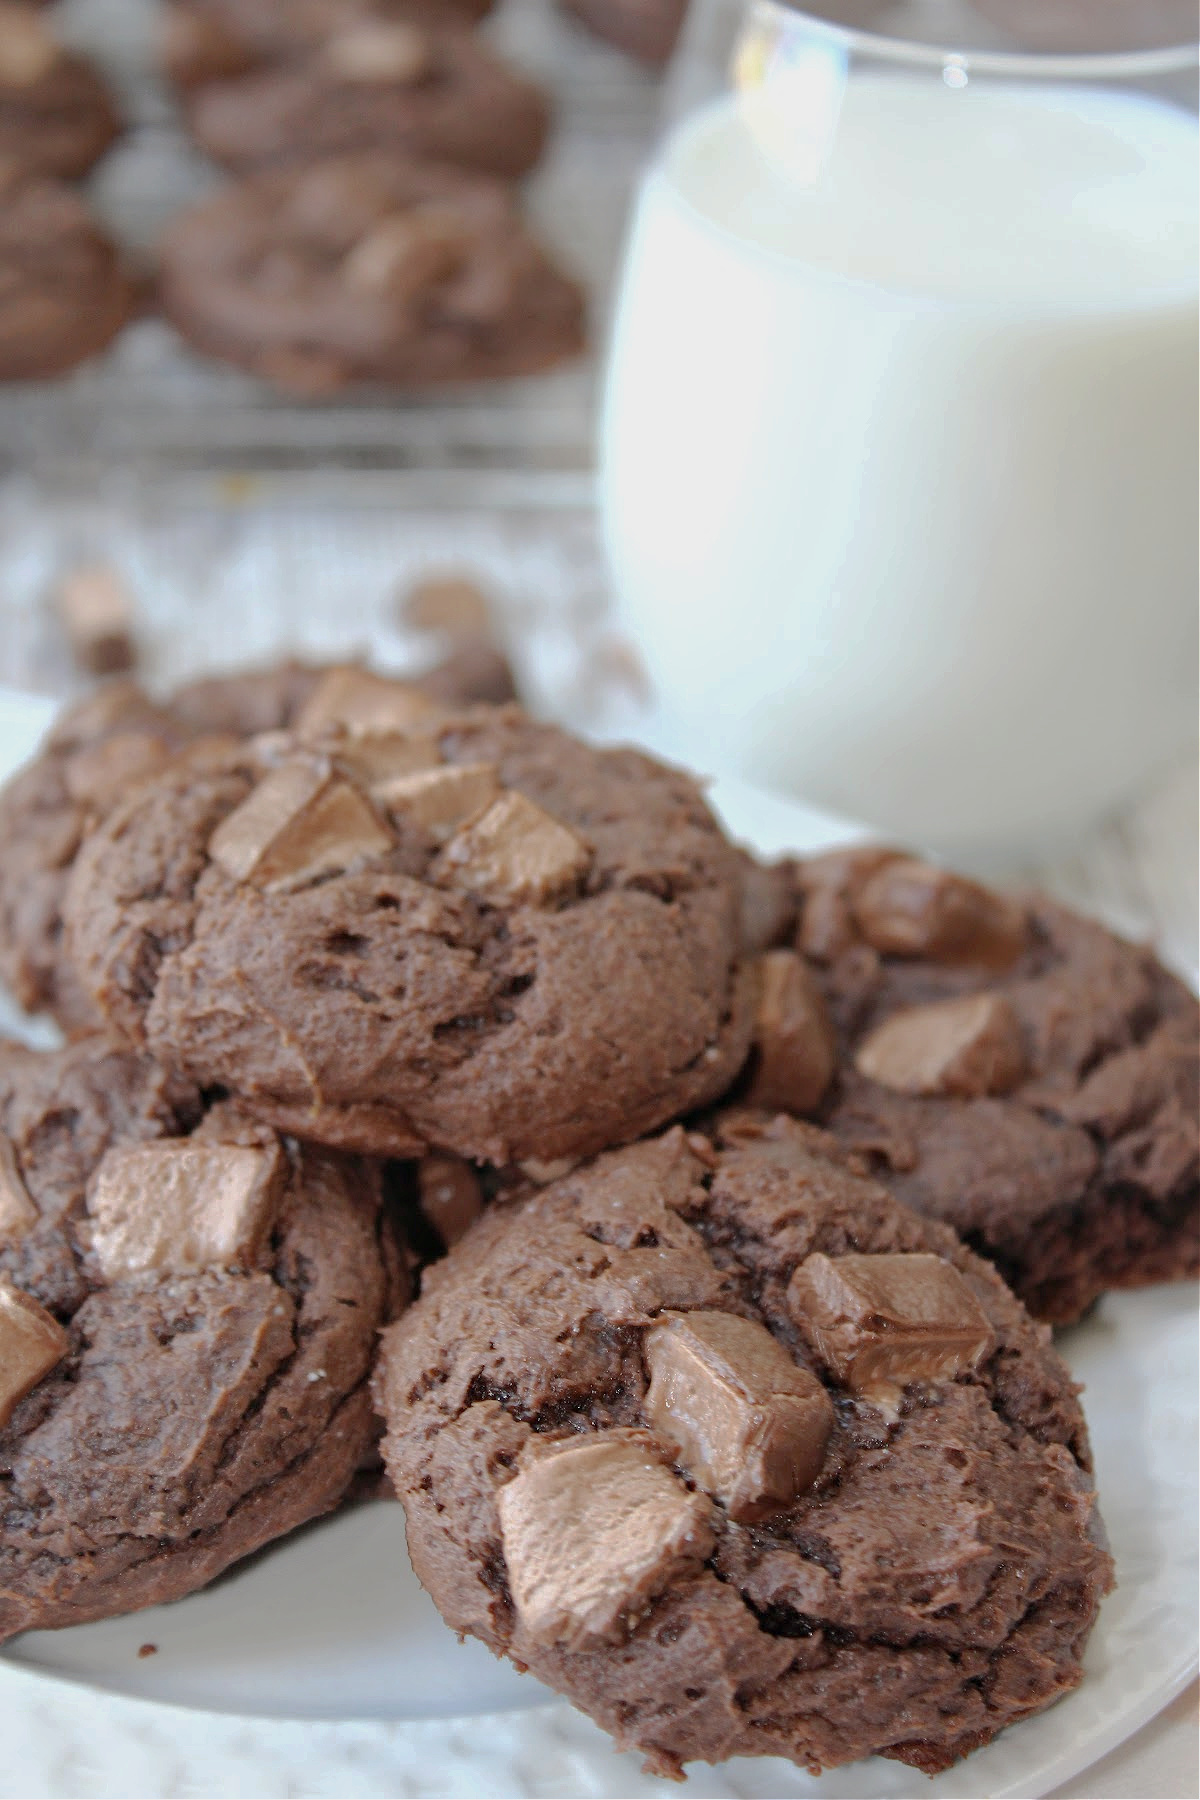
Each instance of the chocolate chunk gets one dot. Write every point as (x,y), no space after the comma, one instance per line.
(377,50)
(748,1424)
(477,670)
(403,254)
(301,821)
(449,604)
(97,615)
(440,800)
(180,1206)
(31,1343)
(361,702)
(966,1047)
(880,1322)
(18,1214)
(377,757)
(796,1054)
(27,50)
(516,853)
(450,1194)
(910,908)
(827,886)
(593,1529)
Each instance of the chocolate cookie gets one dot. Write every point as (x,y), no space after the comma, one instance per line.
(63,296)
(745,1458)
(432,93)
(116,737)
(647,29)
(367,270)
(207,40)
(56,115)
(1014,1069)
(471,932)
(188,1310)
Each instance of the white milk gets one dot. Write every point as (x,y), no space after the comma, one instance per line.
(899,461)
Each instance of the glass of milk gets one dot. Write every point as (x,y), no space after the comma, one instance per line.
(899,445)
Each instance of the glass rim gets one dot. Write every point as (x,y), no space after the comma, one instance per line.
(1109,65)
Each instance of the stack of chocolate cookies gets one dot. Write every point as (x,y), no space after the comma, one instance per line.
(372,233)
(371,236)
(63,292)
(681,1230)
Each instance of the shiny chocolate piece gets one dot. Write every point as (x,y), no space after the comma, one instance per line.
(515,853)
(593,1529)
(450,1195)
(880,1322)
(300,822)
(178,1207)
(32,1342)
(796,1054)
(911,908)
(378,757)
(96,611)
(404,254)
(441,800)
(966,1047)
(827,887)
(18,1214)
(450,604)
(745,1421)
(379,50)
(359,701)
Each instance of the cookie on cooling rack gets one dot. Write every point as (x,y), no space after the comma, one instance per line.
(368,271)
(56,115)
(63,294)
(435,93)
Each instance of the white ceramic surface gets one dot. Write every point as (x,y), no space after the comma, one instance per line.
(332,1624)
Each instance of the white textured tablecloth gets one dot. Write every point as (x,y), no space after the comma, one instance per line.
(219,582)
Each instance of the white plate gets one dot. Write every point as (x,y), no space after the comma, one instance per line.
(332,1624)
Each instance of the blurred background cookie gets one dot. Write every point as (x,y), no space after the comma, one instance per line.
(367,269)
(203,40)
(387,85)
(56,114)
(63,294)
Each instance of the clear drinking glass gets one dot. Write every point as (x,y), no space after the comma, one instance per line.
(899,467)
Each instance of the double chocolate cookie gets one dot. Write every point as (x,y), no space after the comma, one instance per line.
(746,1458)
(63,295)
(368,270)
(188,1312)
(399,927)
(1011,1068)
(430,92)
(56,115)
(110,741)
(207,40)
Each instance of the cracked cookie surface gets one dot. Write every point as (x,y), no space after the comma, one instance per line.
(110,740)
(188,1313)
(476,933)
(1013,1068)
(909,1566)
